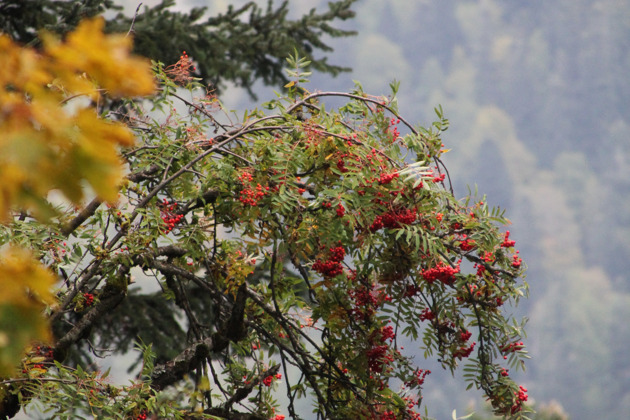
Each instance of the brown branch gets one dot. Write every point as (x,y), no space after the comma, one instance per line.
(87,212)
(83,327)
(144,174)
(133,21)
(91,208)
(233,415)
(210,196)
(166,251)
(235,329)
(243,392)
(174,370)
(169,250)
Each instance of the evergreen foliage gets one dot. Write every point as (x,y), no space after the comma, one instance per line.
(242,45)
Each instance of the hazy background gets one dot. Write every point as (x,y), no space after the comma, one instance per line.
(538,94)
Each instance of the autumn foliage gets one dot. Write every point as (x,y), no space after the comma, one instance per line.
(50,120)
(53,139)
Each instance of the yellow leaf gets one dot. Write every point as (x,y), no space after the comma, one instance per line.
(105,58)
(204,384)
(290,84)
(25,280)
(26,289)
(44,144)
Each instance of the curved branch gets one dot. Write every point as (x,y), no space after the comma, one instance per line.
(174,370)
(83,327)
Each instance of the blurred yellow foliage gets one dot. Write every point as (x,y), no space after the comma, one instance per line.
(26,290)
(16,263)
(104,58)
(46,143)
(50,141)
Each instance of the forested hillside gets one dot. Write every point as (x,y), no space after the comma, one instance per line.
(539,99)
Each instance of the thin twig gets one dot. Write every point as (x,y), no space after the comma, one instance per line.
(133,21)
(21,380)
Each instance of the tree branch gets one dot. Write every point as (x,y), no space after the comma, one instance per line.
(243,392)
(82,328)
(133,21)
(87,212)
(174,370)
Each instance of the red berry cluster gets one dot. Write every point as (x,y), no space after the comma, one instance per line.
(516,260)
(385,179)
(387,333)
(332,266)
(442,272)
(142,415)
(269,379)
(366,301)
(341,210)
(487,257)
(388,415)
(392,130)
(89,299)
(379,354)
(463,352)
(250,195)
(185,61)
(379,347)
(507,243)
(169,215)
(521,397)
(394,219)
(341,163)
(45,351)
(180,72)
(374,155)
(467,244)
(439,178)
(419,377)
(377,357)
(426,315)
(512,347)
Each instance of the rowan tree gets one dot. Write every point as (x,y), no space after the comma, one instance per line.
(284,254)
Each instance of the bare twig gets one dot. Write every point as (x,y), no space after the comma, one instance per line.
(133,21)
